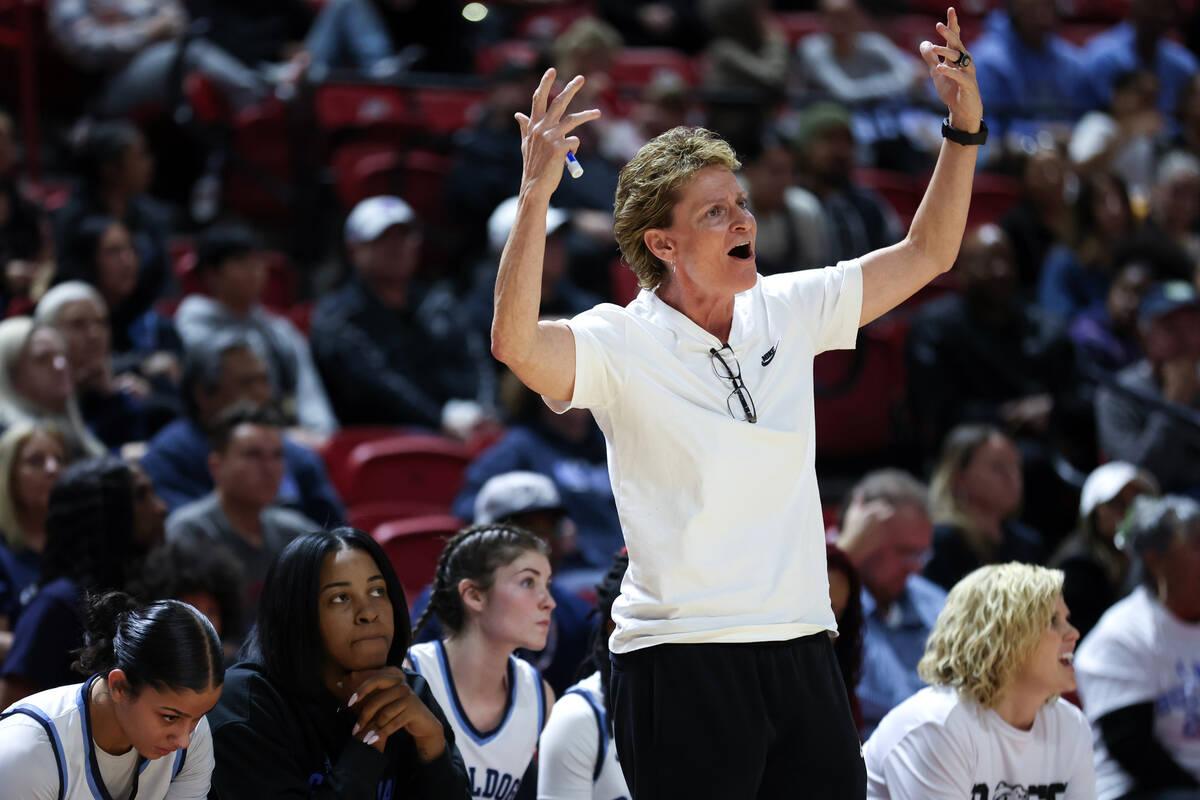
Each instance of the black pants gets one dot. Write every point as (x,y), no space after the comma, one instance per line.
(736,721)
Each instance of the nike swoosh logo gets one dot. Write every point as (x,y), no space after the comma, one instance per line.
(769,356)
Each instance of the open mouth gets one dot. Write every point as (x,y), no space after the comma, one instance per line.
(742,251)
(1067,659)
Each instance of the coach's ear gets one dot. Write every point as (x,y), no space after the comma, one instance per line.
(662,245)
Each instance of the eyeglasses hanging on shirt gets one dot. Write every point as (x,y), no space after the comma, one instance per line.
(727,368)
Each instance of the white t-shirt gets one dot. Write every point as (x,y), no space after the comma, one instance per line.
(1140,653)
(937,746)
(496,760)
(721,517)
(29,766)
(577,759)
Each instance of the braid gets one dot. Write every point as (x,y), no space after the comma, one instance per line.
(474,553)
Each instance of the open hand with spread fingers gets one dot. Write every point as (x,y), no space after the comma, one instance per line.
(544,134)
(953,72)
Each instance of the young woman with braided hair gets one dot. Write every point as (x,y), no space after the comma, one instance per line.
(491,593)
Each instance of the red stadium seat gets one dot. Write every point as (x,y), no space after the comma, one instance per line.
(858,393)
(370,516)
(902,192)
(798,24)
(339,445)
(358,107)
(491,58)
(635,67)
(991,198)
(418,467)
(366,169)
(444,111)
(414,546)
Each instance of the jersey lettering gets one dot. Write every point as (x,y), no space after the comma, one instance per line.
(496,784)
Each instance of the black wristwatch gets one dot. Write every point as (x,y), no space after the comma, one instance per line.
(962,137)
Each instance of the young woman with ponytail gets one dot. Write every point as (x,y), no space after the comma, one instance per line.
(136,727)
(577,759)
(321,707)
(491,594)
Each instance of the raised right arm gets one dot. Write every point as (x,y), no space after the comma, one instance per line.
(541,354)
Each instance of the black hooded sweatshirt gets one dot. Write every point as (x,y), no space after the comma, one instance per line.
(277,744)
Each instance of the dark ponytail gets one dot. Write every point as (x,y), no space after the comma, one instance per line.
(474,554)
(607,591)
(165,645)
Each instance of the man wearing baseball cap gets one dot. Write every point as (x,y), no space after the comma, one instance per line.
(392,348)
(531,500)
(1151,417)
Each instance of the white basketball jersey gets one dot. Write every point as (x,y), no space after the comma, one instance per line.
(496,760)
(580,713)
(48,735)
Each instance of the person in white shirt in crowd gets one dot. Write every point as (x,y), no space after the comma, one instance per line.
(577,757)
(1139,668)
(991,724)
(136,727)
(703,389)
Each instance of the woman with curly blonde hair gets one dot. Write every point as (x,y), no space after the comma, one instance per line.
(991,723)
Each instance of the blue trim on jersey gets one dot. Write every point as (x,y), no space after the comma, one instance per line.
(416,665)
(541,693)
(479,737)
(598,713)
(52,732)
(180,758)
(94,778)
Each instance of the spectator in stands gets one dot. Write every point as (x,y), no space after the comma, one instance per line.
(31,458)
(851,64)
(233,269)
(664,104)
(246,462)
(845,597)
(35,383)
(102,518)
(746,65)
(100,252)
(1106,337)
(1187,116)
(791,222)
(657,23)
(976,493)
(1029,75)
(386,38)
(216,375)
(134,47)
(531,501)
(115,169)
(561,297)
(568,448)
(1150,415)
(1042,217)
(1075,277)
(1170,234)
(394,349)
(886,533)
(992,722)
(1140,42)
(266,34)
(205,576)
(986,355)
(116,408)
(858,219)
(23,252)
(1095,566)
(1138,667)
(1124,138)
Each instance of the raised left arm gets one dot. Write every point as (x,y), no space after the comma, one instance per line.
(892,274)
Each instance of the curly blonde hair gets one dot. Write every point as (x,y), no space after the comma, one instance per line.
(992,621)
(649,187)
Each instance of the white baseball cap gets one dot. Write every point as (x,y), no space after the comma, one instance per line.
(1107,481)
(373,216)
(512,493)
(501,222)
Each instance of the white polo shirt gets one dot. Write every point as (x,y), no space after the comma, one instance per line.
(721,517)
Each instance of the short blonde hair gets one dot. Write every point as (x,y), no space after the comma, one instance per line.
(649,187)
(992,621)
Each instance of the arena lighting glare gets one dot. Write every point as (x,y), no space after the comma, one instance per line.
(474,12)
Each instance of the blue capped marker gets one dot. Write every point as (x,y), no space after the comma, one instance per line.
(573,165)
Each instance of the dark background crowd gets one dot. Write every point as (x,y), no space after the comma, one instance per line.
(248,251)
